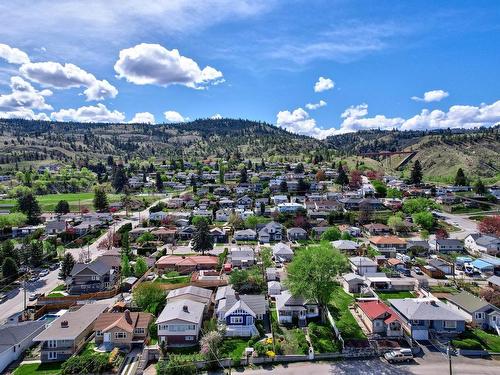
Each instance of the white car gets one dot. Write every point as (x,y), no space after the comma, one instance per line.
(402,355)
(43,273)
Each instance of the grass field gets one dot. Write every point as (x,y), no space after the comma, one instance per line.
(339,308)
(75,200)
(38,369)
(477,339)
(233,348)
(384,296)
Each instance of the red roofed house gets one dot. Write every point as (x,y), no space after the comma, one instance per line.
(379,318)
(186,264)
(388,245)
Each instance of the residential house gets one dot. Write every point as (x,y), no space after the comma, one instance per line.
(241,257)
(17,338)
(56,226)
(245,235)
(376,229)
(282,252)
(279,199)
(203,213)
(180,322)
(192,293)
(353,283)
(448,245)
(475,310)
(270,232)
(379,318)
(420,247)
(346,246)
(122,329)
(482,244)
(295,234)
(363,265)
(388,245)
(186,233)
(244,202)
(167,235)
(97,276)
(218,235)
(158,216)
(186,264)
(291,309)
(68,333)
(442,265)
(273,288)
(494,282)
(419,316)
(289,207)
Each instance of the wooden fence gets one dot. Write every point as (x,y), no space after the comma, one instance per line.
(74,299)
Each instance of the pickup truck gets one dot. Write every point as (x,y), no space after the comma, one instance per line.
(402,355)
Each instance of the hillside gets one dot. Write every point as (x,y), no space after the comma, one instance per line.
(440,152)
(22,140)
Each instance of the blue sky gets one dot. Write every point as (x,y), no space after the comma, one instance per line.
(384,64)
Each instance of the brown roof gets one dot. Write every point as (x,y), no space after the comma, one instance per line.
(387,240)
(376,226)
(106,321)
(176,260)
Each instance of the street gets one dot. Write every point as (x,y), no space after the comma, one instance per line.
(433,364)
(14,301)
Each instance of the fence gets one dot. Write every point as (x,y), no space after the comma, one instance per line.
(75,299)
(335,329)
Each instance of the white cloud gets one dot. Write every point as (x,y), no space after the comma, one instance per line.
(299,122)
(216,116)
(23,97)
(97,113)
(26,114)
(174,117)
(67,76)
(143,118)
(432,96)
(313,106)
(13,55)
(323,84)
(354,120)
(155,65)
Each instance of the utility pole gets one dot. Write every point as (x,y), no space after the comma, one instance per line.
(448,352)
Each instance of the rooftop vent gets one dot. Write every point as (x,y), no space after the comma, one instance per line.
(64,324)
(185,309)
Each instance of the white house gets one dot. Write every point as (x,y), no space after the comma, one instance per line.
(482,244)
(363,265)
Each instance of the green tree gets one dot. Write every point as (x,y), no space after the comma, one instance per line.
(149,297)
(396,223)
(394,193)
(14,219)
(202,240)
(299,168)
(460,179)
(197,219)
(67,265)
(243,175)
(479,187)
(176,365)
(62,207)
(100,198)
(411,206)
(380,188)
(424,219)
(140,267)
(125,242)
(312,273)
(342,178)
(9,268)
(28,205)
(247,281)
(120,179)
(9,251)
(221,175)
(251,222)
(36,249)
(159,182)
(145,237)
(331,234)
(283,186)
(416,173)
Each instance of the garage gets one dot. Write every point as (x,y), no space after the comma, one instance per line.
(420,334)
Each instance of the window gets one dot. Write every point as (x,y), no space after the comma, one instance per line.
(189,338)
(450,324)
(52,355)
(236,320)
(98,333)
(52,343)
(479,315)
(140,330)
(120,335)
(95,278)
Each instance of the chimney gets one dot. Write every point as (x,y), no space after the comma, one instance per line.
(128,318)
(185,309)
(237,296)
(64,324)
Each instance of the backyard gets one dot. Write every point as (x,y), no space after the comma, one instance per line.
(233,348)
(339,308)
(38,369)
(384,296)
(173,277)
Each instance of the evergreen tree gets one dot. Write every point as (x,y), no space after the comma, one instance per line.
(125,240)
(283,186)
(28,205)
(202,240)
(125,266)
(36,250)
(479,187)
(140,267)
(460,179)
(100,199)
(243,175)
(120,179)
(299,168)
(9,268)
(9,251)
(342,178)
(416,173)
(62,207)
(67,265)
(159,182)
(221,175)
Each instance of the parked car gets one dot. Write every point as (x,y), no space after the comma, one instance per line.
(43,273)
(150,277)
(33,278)
(3,297)
(402,355)
(418,271)
(54,266)
(34,296)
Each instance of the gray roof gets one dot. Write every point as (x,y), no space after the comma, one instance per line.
(78,321)
(242,254)
(296,231)
(362,261)
(449,242)
(352,276)
(245,232)
(255,302)
(345,245)
(282,249)
(285,299)
(175,310)
(424,309)
(97,266)
(494,280)
(193,290)
(467,301)
(12,334)
(488,241)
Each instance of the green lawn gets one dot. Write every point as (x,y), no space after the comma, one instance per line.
(38,369)
(339,308)
(59,288)
(173,280)
(323,338)
(55,295)
(476,339)
(384,296)
(233,348)
(49,201)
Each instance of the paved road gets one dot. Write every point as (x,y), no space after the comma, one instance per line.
(15,299)
(434,364)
